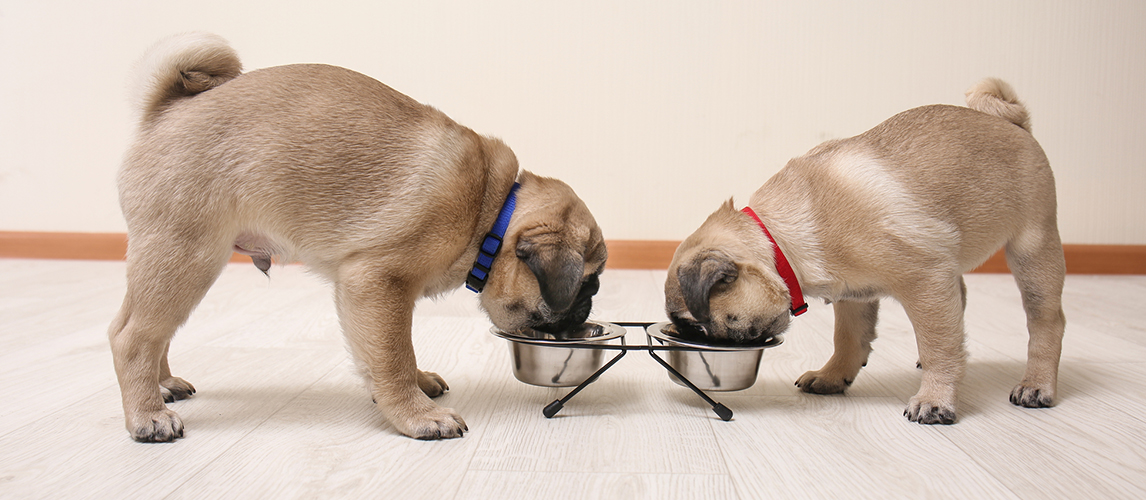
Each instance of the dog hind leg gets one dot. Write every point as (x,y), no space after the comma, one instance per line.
(1036,260)
(164,284)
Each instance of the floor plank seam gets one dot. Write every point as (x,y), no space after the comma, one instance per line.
(469,463)
(724,460)
(226,449)
(985,468)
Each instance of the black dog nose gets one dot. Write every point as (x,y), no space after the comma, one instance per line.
(591,286)
(687,329)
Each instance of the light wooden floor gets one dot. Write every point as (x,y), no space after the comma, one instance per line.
(281,414)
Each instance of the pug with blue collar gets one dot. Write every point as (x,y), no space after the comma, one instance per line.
(387,198)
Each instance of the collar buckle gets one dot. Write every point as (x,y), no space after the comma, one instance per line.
(800,309)
(480,272)
(491,244)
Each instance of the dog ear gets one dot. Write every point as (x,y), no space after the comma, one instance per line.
(558,270)
(699,275)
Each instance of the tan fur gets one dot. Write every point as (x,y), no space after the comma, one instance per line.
(385,197)
(902,211)
(995,97)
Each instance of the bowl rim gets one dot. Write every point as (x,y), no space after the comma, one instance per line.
(656,331)
(613,332)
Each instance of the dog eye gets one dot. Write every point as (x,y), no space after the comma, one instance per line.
(591,284)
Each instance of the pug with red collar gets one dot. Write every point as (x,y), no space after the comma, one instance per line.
(900,211)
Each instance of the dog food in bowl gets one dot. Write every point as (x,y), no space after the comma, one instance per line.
(709,367)
(546,360)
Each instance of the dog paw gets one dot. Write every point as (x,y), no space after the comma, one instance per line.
(162,426)
(926,412)
(816,382)
(175,388)
(432,384)
(1032,397)
(439,423)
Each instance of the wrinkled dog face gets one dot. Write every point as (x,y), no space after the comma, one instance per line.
(722,285)
(547,271)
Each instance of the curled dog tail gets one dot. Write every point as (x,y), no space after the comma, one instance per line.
(994,97)
(182,66)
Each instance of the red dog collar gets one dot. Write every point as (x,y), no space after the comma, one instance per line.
(784,268)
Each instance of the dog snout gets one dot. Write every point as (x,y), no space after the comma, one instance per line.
(577,313)
(567,321)
(759,331)
(728,332)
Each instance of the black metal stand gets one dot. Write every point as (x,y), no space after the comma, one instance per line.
(551,409)
(722,411)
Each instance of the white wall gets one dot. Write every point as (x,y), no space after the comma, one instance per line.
(654,111)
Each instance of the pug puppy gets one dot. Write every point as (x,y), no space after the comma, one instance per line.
(900,211)
(389,199)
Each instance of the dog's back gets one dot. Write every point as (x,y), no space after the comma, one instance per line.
(952,180)
(979,168)
(288,160)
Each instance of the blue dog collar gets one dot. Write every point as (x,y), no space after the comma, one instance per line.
(492,243)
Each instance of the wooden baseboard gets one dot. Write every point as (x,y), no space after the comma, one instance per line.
(1086,259)
(623,254)
(69,246)
(640,254)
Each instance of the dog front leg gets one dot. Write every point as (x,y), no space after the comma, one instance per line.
(936,314)
(376,311)
(854,333)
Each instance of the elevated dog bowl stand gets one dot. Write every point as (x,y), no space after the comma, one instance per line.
(551,409)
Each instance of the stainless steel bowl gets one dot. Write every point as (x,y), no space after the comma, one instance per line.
(544,359)
(713,368)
